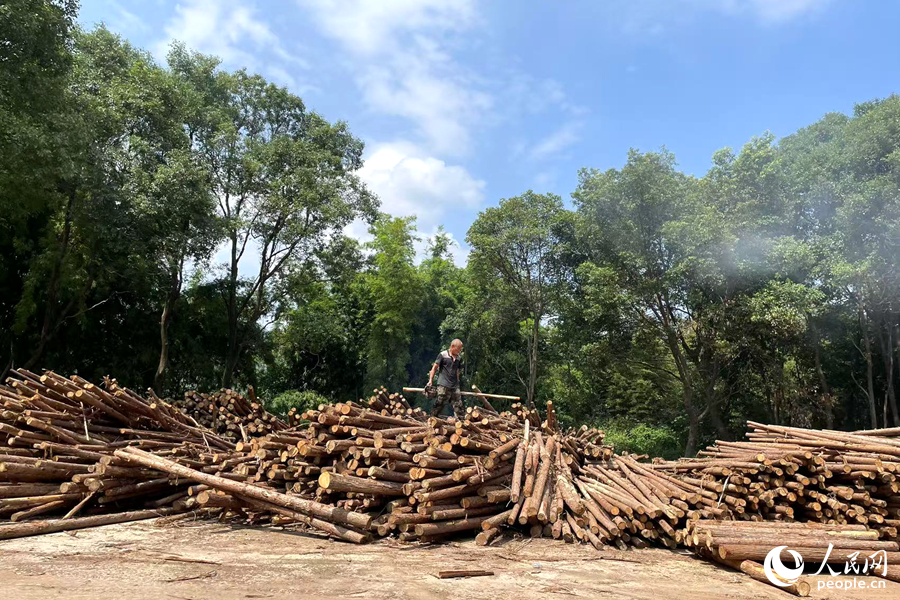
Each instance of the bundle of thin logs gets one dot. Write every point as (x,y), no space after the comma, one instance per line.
(383,467)
(424,478)
(58,436)
(230,414)
(397,470)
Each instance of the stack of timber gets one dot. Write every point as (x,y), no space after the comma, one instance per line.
(230,414)
(400,471)
(744,544)
(792,474)
(381,467)
(58,436)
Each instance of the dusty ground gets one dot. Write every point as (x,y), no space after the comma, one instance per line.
(142,560)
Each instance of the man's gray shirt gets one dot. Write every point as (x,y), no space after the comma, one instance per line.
(448,369)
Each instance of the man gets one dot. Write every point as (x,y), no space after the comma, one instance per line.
(447,366)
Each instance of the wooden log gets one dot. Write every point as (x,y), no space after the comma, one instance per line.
(446,527)
(469,573)
(18,530)
(814,554)
(497,520)
(336,482)
(484,538)
(332,529)
(75,509)
(755,570)
(21,490)
(302,505)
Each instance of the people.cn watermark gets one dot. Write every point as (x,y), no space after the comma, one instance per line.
(783,576)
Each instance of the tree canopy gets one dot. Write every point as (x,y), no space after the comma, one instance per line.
(183,226)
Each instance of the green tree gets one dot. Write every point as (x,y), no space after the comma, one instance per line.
(518,247)
(395,291)
(284,177)
(443,289)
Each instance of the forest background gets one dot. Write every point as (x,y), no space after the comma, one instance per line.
(666,308)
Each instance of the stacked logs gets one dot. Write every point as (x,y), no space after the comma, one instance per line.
(230,414)
(788,473)
(743,544)
(58,436)
(382,467)
(422,477)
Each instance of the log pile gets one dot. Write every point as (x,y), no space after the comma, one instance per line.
(787,473)
(230,414)
(406,473)
(58,436)
(381,467)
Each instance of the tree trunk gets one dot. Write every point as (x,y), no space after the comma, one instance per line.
(533,360)
(715,418)
(870,380)
(53,288)
(164,321)
(894,410)
(690,448)
(779,403)
(826,394)
(11,362)
(885,336)
(231,309)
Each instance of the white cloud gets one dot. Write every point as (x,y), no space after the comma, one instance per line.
(409,181)
(235,33)
(219,28)
(399,60)
(372,28)
(556,142)
(430,92)
(773,11)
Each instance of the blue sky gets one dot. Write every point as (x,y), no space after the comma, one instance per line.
(462,103)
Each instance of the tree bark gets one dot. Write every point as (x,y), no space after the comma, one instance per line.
(18,530)
(231,310)
(690,447)
(715,418)
(885,337)
(870,380)
(826,394)
(53,288)
(172,297)
(302,505)
(533,359)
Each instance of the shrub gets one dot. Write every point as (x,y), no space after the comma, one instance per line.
(304,400)
(643,439)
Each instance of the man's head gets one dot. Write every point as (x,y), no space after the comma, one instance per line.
(456,347)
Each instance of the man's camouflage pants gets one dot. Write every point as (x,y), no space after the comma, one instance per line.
(452,394)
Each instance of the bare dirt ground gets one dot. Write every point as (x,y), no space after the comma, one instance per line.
(221,562)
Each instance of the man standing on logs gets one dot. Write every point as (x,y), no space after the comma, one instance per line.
(447,366)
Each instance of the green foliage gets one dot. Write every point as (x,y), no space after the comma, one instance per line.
(640,438)
(285,401)
(517,262)
(670,307)
(395,292)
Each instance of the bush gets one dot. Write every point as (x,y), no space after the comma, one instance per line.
(643,439)
(304,400)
